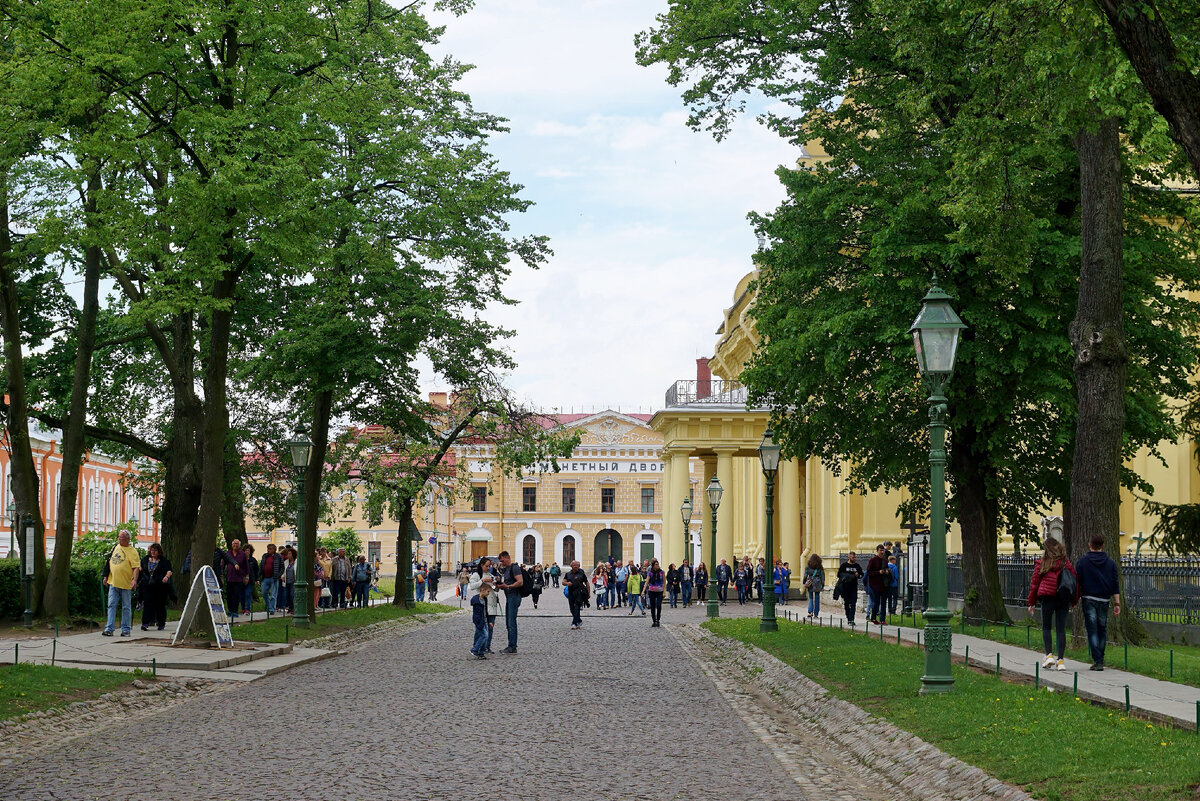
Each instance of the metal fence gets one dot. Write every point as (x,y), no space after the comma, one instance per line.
(713,390)
(1160,589)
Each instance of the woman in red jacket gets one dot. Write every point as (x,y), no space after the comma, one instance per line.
(1047,578)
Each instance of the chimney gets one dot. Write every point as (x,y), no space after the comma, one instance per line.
(438,399)
(703,378)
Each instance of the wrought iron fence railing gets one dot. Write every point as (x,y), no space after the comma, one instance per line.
(712,390)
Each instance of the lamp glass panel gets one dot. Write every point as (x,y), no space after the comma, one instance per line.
(715,491)
(301,453)
(685,510)
(768,453)
(937,349)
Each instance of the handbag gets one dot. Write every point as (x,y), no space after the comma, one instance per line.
(1067,586)
(325,593)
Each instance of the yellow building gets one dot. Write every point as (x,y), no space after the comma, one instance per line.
(706,418)
(607,498)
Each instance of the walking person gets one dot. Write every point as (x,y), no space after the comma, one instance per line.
(777,582)
(463,579)
(237,574)
(724,574)
(876,586)
(686,579)
(633,586)
(320,591)
(433,579)
(555,574)
(814,584)
(787,582)
(576,582)
(155,587)
(287,587)
(848,576)
(120,574)
(893,590)
(600,587)
(741,582)
(673,584)
(270,570)
(419,583)
(1098,588)
(1056,588)
(511,581)
(479,618)
(655,582)
(701,583)
(539,583)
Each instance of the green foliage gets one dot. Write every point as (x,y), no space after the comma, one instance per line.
(342,538)
(85,593)
(1007,729)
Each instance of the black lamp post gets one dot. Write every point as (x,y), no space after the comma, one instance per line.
(935,337)
(685,511)
(714,492)
(301,450)
(768,455)
(12,530)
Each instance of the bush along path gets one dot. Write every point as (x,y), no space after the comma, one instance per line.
(1050,743)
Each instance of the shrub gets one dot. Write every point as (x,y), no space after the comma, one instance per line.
(85,593)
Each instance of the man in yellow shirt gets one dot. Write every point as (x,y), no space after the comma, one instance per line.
(124,564)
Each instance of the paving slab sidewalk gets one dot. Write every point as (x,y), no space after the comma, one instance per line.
(1165,701)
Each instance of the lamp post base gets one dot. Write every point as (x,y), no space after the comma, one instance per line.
(300,593)
(714,606)
(938,677)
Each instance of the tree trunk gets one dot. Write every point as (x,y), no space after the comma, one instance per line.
(1173,88)
(22,469)
(1098,339)
(233,516)
(404,588)
(977,519)
(182,465)
(215,429)
(55,600)
(322,410)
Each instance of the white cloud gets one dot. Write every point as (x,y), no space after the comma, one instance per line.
(647,218)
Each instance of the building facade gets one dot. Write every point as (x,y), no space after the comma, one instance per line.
(103,501)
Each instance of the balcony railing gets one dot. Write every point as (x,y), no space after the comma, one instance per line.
(716,391)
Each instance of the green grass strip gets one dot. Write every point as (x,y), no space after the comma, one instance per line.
(29,688)
(1055,746)
(329,622)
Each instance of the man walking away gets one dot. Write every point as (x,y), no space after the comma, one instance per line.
(577,592)
(847,585)
(511,581)
(271,570)
(1098,587)
(339,579)
(435,575)
(876,585)
(555,573)
(724,574)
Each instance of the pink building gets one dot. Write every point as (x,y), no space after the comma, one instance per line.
(102,504)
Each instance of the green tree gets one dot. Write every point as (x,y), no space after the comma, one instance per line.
(945,155)
(342,538)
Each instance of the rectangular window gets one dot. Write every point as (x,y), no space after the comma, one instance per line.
(478,499)
(568,499)
(647,500)
(608,500)
(529,499)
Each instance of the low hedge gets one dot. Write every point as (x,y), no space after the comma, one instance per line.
(85,593)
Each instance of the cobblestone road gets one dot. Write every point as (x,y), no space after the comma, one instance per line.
(617,709)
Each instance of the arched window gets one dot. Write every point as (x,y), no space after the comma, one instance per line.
(568,549)
(529,550)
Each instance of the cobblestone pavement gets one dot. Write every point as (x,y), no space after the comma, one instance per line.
(614,706)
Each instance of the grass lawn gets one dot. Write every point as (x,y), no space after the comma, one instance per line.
(1054,745)
(328,623)
(1177,663)
(27,688)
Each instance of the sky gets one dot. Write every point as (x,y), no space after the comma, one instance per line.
(646,218)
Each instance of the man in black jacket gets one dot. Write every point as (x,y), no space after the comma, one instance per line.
(1097,574)
(576,582)
(724,574)
(848,576)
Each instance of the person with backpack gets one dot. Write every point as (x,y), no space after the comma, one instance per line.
(656,580)
(1097,587)
(848,576)
(419,583)
(555,574)
(360,574)
(1056,587)
(513,582)
(432,580)
(814,584)
(893,590)
(576,585)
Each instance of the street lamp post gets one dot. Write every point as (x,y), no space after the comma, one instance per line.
(12,530)
(714,492)
(685,511)
(301,452)
(768,455)
(935,336)
(28,533)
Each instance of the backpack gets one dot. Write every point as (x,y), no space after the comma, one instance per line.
(526,583)
(1067,586)
(888,579)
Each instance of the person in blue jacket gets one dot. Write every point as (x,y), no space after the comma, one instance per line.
(1097,574)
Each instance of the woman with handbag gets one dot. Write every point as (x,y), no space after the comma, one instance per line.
(701,583)
(673,581)
(814,583)
(287,592)
(600,587)
(655,583)
(1056,588)
(319,589)
(155,587)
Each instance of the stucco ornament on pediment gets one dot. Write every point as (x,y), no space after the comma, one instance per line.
(613,431)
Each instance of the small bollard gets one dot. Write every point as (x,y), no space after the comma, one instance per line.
(918,638)
(967,656)
(53,650)
(1075,685)
(1198,717)
(897,635)
(1037,675)
(154,668)
(1126,697)
(16,652)
(56,627)
(997,665)
(1172,674)
(1006,631)
(285,634)
(840,622)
